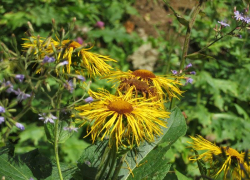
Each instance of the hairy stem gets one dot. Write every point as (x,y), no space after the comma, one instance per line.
(56,137)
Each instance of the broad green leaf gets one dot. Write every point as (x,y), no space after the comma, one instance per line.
(151,156)
(147,161)
(180,176)
(30,165)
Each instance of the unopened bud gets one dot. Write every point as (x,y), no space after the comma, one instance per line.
(12,110)
(30,27)
(48,87)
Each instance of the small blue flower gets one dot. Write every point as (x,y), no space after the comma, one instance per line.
(21,95)
(20,77)
(69,86)
(47,118)
(20,126)
(80,77)
(192,72)
(2,109)
(224,24)
(8,84)
(1,119)
(189,65)
(63,63)
(48,59)
(70,129)
(238,16)
(174,72)
(189,80)
(247,19)
(89,100)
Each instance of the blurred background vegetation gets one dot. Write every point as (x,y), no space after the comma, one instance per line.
(145,34)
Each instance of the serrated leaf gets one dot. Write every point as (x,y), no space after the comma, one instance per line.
(62,134)
(151,166)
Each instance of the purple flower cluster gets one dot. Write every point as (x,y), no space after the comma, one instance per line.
(48,59)
(241,17)
(20,77)
(100,24)
(21,95)
(2,110)
(7,85)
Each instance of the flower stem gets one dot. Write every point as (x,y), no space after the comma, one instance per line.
(56,137)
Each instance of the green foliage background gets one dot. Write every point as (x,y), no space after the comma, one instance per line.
(216,105)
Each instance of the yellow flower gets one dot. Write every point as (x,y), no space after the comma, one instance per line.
(123,118)
(221,159)
(82,58)
(155,85)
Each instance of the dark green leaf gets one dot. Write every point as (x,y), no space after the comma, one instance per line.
(199,56)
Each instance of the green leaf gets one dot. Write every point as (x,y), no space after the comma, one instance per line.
(63,135)
(181,176)
(182,20)
(151,156)
(30,165)
(150,165)
(195,56)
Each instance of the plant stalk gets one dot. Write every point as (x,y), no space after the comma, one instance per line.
(56,137)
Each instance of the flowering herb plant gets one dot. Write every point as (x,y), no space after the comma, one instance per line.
(130,130)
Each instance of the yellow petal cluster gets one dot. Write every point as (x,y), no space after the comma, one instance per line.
(221,159)
(124,119)
(77,56)
(159,86)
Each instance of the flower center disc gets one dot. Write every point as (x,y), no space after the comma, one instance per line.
(120,106)
(74,44)
(232,152)
(144,73)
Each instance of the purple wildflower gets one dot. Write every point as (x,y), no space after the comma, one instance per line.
(100,24)
(31,178)
(89,100)
(70,129)
(20,77)
(238,15)
(21,95)
(174,72)
(1,119)
(2,109)
(8,84)
(224,24)
(247,19)
(79,40)
(20,126)
(48,59)
(80,77)
(189,80)
(189,65)
(47,118)
(192,72)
